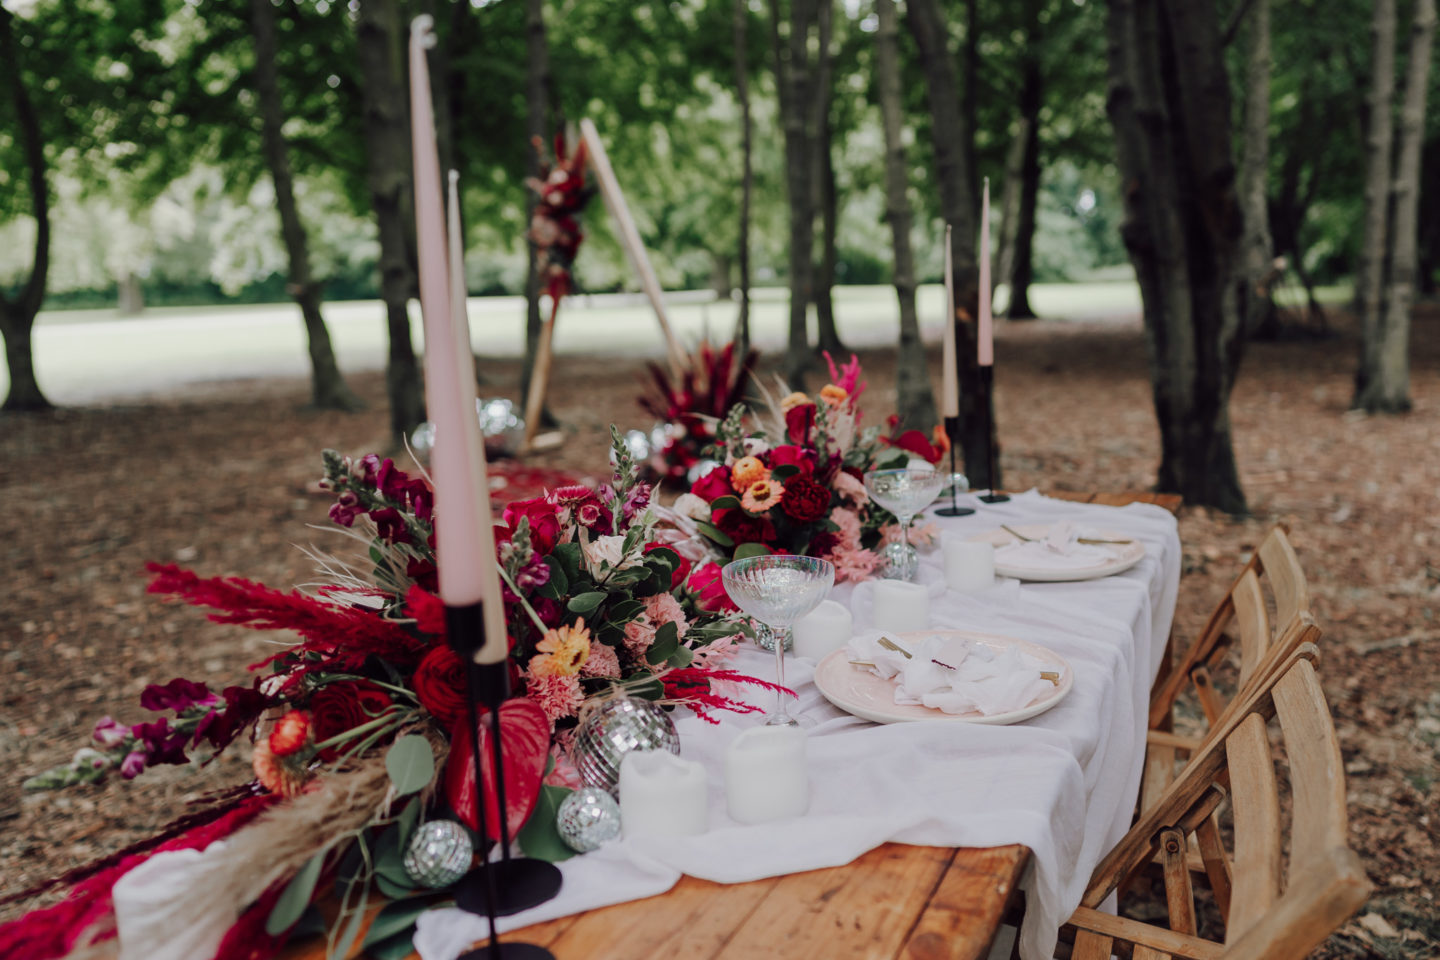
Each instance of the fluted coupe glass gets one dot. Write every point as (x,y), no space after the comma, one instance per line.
(777,591)
(905,493)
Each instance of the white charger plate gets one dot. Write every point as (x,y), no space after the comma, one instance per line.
(1123,555)
(858,691)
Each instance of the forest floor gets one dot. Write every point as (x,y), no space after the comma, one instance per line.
(219,479)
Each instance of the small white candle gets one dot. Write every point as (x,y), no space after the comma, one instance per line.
(822,630)
(765,776)
(661,795)
(969,565)
(901,606)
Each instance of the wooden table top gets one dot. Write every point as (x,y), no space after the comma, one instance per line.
(897,902)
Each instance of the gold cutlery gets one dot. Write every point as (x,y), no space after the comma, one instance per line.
(1093,540)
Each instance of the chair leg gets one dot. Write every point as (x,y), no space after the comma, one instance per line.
(1091,946)
(1217,864)
(1179,895)
(1143,952)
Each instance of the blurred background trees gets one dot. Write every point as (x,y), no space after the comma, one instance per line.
(201,151)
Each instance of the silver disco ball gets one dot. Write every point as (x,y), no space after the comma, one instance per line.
(500,424)
(615,728)
(587,819)
(637,444)
(439,853)
(699,469)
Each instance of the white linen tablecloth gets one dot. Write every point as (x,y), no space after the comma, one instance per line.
(1063,783)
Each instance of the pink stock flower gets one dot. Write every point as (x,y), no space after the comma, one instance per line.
(718,652)
(133,765)
(639,635)
(109,733)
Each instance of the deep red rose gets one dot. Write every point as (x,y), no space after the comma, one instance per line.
(805,500)
(713,485)
(743,528)
(544,527)
(793,456)
(823,543)
(708,585)
(424,573)
(440,685)
(343,706)
(682,569)
(799,422)
(549,612)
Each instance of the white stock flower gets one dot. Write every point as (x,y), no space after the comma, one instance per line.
(692,506)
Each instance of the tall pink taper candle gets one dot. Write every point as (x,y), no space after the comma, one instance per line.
(986,353)
(949,384)
(459,554)
(474,438)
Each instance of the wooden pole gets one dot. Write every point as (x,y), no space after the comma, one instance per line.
(539,380)
(630,237)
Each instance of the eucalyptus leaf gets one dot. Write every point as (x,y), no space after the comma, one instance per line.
(652,689)
(410,761)
(409,817)
(682,657)
(720,537)
(667,640)
(390,858)
(625,611)
(586,602)
(568,555)
(295,897)
(341,949)
(397,916)
(727,502)
(784,472)
(391,889)
(751,550)
(540,838)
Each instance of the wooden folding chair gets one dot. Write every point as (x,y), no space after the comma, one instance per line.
(1278,901)
(1241,620)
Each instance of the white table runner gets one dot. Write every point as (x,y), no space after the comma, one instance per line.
(1063,783)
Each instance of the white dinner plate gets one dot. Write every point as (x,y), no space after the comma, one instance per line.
(1123,556)
(858,691)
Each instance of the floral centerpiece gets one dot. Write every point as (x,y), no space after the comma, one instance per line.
(795,485)
(689,407)
(360,729)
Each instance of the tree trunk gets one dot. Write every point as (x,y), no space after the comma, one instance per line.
(1010,206)
(537,109)
(17,316)
(970,97)
(1169,105)
(380,48)
(950,137)
(1032,98)
(131,297)
(1256,298)
(1370,274)
(328,390)
(747,173)
(796,107)
(1385,386)
(915,401)
(828,200)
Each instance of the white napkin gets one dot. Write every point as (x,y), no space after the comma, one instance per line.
(1059,550)
(956,675)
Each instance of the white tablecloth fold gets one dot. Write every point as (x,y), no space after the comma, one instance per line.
(1063,783)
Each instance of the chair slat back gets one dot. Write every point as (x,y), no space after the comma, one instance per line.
(1251,622)
(1255,798)
(1280,565)
(1317,774)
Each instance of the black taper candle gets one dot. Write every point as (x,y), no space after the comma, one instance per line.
(952,431)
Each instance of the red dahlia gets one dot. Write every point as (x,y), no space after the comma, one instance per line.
(805,500)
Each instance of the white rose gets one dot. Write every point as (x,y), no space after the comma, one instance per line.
(689,505)
(608,552)
(755,446)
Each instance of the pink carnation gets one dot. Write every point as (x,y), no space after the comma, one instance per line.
(663,608)
(853,564)
(639,634)
(558,695)
(848,524)
(602,661)
(562,772)
(919,536)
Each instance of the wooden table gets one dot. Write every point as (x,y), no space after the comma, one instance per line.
(897,902)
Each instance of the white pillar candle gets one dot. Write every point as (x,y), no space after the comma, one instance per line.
(901,606)
(826,628)
(969,565)
(765,777)
(661,795)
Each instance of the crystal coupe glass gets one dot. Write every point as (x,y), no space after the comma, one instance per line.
(905,493)
(777,591)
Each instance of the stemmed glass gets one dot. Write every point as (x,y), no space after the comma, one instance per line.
(905,493)
(777,591)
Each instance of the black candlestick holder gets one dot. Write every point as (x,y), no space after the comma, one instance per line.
(952,430)
(987,380)
(495,888)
